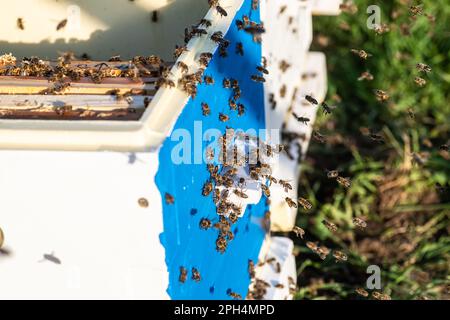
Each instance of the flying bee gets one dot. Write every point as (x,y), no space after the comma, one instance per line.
(381,95)
(169,198)
(241,109)
(299,232)
(240,48)
(20,24)
(319,137)
(362,292)
(265,190)
(282,9)
(208,80)
(420,81)
(286,185)
(305,203)
(257,78)
(366,75)
(291,203)
(207,188)
(284,65)
(205,22)
(51,257)
(179,50)
(155,17)
(183,66)
(61,24)
(360,223)
(196,275)
(223,117)
(217,37)
(330,226)
(240,193)
(380,296)
(221,11)
(183,275)
(339,256)
(312,245)
(206,111)
(311,99)
(346,182)
(301,119)
(234,295)
(326,108)
(422,67)
(262,69)
(205,224)
(361,53)
(332,174)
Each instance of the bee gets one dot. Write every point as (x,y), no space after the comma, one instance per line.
(330,226)
(422,67)
(207,188)
(381,95)
(311,100)
(205,224)
(205,58)
(205,22)
(240,48)
(420,81)
(51,257)
(154,16)
(291,203)
(380,296)
(237,93)
(381,28)
(376,137)
(255,4)
(361,53)
(339,256)
(419,159)
(362,292)
(183,275)
(241,109)
(262,69)
(319,137)
(326,108)
(265,190)
(197,32)
(232,104)
(221,244)
(301,119)
(217,37)
(251,268)
(20,24)
(257,78)
(226,83)
(312,246)
(169,198)
(208,80)
(223,117)
(234,295)
(179,50)
(416,10)
(196,275)
(282,9)
(286,185)
(240,193)
(284,65)
(360,223)
(206,111)
(366,75)
(348,7)
(143,202)
(305,203)
(346,182)
(2,238)
(332,174)
(61,24)
(299,232)
(183,66)
(221,11)
(279,286)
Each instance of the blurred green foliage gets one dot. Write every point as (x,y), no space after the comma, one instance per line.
(407,215)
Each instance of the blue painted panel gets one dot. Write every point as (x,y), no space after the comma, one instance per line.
(185,243)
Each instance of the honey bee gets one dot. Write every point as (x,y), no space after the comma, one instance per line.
(420,81)
(332,174)
(232,104)
(240,193)
(51,257)
(217,37)
(251,268)
(326,108)
(279,286)
(2,238)
(265,190)
(237,93)
(61,24)
(362,292)
(311,100)
(422,67)
(206,111)
(271,179)
(304,203)
(282,9)
(234,295)
(348,7)
(366,76)
(183,66)
(286,185)
(197,32)
(299,232)
(416,10)
(221,244)
(169,198)
(143,202)
(381,29)
(179,50)
(155,16)
(381,95)
(205,22)
(183,275)
(208,80)
(226,83)
(319,137)
(205,224)
(165,82)
(207,188)
(312,245)
(255,4)
(196,275)
(339,256)
(361,53)
(221,11)
(346,182)
(291,203)
(380,296)
(262,69)
(360,223)
(241,109)
(257,78)
(20,24)
(284,65)
(301,119)
(223,117)
(240,48)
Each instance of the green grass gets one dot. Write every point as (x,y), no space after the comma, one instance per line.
(408,219)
